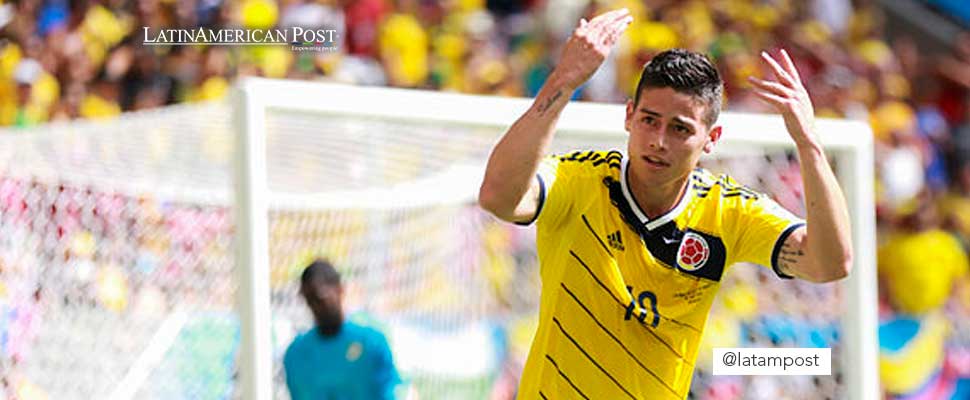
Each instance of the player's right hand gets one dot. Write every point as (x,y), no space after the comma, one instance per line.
(589,46)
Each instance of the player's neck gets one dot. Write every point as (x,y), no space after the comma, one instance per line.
(657,200)
(328,331)
(330,325)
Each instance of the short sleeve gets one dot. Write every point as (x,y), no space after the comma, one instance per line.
(760,229)
(291,369)
(555,178)
(386,378)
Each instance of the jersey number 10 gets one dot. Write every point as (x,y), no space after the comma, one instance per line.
(644,295)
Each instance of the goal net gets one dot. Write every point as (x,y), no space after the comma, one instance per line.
(158,255)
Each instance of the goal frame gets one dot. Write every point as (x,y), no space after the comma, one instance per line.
(849,143)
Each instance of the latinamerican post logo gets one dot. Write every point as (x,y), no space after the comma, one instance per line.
(300,39)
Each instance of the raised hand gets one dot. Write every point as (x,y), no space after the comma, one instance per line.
(589,46)
(789,97)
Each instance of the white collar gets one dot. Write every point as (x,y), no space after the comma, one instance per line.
(642,216)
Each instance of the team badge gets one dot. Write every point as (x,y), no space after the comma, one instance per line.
(693,252)
(354,351)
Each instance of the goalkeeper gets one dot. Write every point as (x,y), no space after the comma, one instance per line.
(337,358)
(632,246)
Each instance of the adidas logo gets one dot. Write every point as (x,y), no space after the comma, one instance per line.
(615,240)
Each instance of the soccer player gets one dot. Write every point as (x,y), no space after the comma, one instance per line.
(632,246)
(336,359)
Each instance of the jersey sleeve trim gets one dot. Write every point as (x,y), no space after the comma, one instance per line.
(777,249)
(542,201)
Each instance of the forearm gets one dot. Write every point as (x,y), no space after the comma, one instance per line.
(822,251)
(515,159)
(829,238)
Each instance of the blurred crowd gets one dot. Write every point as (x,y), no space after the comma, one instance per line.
(62,60)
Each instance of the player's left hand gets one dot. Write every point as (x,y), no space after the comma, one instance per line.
(789,97)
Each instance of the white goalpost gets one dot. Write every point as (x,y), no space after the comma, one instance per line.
(433,179)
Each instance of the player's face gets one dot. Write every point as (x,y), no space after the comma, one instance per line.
(667,135)
(326,302)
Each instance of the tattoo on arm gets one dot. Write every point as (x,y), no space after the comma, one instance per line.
(549,102)
(790,255)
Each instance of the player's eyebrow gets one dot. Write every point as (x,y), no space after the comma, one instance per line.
(648,111)
(679,119)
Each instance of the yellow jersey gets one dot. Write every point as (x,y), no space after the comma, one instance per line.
(920,268)
(624,296)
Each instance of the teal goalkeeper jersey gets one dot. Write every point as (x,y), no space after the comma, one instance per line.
(356,364)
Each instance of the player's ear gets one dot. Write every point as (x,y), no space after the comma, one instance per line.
(713,136)
(628,122)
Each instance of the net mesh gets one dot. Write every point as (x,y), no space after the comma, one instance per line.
(117,265)
(115,258)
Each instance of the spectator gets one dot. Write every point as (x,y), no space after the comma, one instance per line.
(913,286)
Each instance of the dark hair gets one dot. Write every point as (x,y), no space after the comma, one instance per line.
(686,72)
(320,270)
